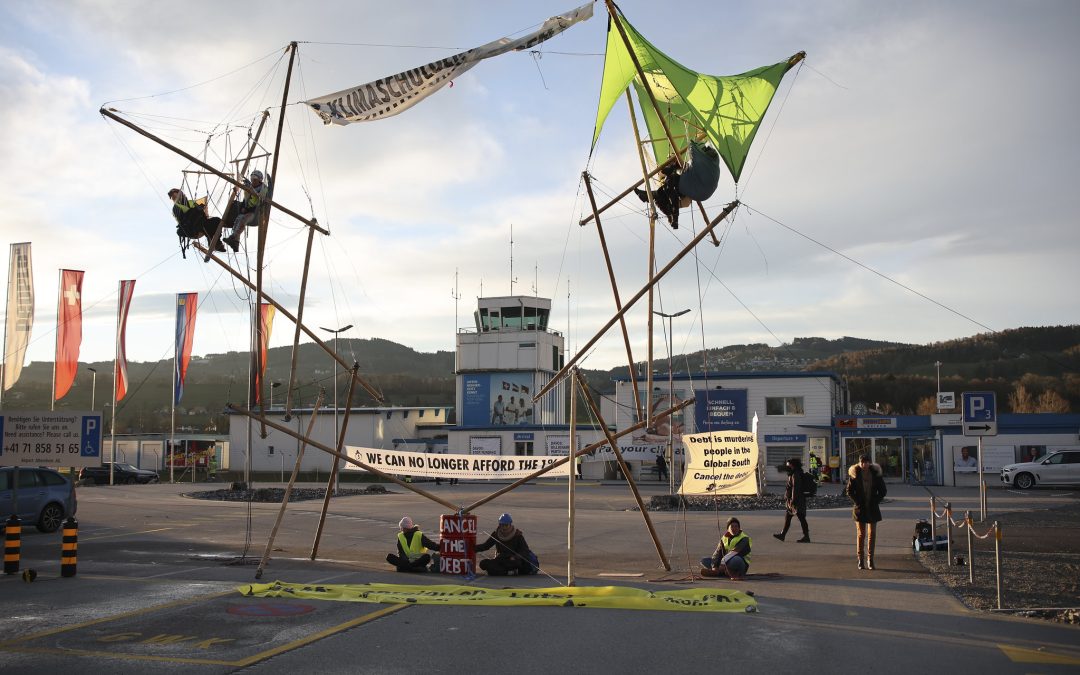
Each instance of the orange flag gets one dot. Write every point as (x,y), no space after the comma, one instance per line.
(68,332)
(266,317)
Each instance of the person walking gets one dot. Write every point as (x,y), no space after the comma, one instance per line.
(866,490)
(795,499)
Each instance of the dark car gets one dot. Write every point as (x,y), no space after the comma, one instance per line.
(45,496)
(122,474)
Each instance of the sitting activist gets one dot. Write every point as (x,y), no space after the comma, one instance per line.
(191,219)
(732,555)
(512,554)
(412,546)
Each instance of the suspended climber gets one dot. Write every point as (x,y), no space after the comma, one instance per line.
(256,193)
(192,220)
(697,182)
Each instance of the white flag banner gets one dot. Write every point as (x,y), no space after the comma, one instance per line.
(391,95)
(721,463)
(436,465)
(20,312)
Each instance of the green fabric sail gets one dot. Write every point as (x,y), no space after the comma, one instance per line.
(727,109)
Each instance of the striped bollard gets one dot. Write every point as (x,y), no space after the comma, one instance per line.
(12,544)
(70,548)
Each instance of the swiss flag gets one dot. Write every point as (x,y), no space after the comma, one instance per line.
(68,331)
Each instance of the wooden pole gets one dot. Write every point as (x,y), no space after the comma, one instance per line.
(288,491)
(615,292)
(625,469)
(299,321)
(660,275)
(327,449)
(334,469)
(288,315)
(195,160)
(572,488)
(573,455)
(264,219)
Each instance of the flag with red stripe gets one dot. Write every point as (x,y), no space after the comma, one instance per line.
(186,305)
(68,332)
(123,303)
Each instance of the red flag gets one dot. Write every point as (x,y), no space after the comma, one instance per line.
(123,303)
(68,332)
(266,318)
(187,304)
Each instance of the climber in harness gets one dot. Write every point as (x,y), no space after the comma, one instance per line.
(192,221)
(256,192)
(697,182)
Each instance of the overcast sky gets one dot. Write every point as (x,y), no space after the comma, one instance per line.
(933,144)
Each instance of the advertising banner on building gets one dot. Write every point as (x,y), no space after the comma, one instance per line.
(432,465)
(631,452)
(558,445)
(721,463)
(497,399)
(485,445)
(720,410)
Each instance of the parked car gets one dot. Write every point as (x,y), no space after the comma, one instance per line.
(122,474)
(45,497)
(1057,468)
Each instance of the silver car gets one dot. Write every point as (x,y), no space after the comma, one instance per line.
(1057,468)
(45,496)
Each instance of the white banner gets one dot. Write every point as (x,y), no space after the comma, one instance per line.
(485,445)
(20,312)
(721,463)
(631,452)
(558,445)
(497,467)
(391,95)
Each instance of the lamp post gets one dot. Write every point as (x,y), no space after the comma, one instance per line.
(671,397)
(93,388)
(337,460)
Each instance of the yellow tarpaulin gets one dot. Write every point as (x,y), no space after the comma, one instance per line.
(607,597)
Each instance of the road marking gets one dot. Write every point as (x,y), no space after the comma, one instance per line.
(125,534)
(1022,655)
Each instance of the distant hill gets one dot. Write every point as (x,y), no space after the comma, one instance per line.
(888,376)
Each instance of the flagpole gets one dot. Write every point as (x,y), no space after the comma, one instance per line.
(116,373)
(56,350)
(172,395)
(7,304)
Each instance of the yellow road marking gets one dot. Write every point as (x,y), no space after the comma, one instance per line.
(1022,655)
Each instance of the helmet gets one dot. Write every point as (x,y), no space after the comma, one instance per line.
(505,519)
(256,174)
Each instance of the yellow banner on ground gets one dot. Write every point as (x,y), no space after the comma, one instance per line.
(604,597)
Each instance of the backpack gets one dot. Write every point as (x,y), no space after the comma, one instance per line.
(809,485)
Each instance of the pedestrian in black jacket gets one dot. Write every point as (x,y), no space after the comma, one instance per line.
(866,490)
(795,499)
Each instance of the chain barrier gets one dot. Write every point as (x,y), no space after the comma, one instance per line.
(966,524)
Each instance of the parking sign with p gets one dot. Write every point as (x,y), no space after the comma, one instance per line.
(980,413)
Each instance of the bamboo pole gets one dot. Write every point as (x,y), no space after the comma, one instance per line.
(195,160)
(288,315)
(615,292)
(327,449)
(573,455)
(299,321)
(334,469)
(625,469)
(264,219)
(288,491)
(571,489)
(660,275)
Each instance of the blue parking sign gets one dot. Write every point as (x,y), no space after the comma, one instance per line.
(980,413)
(90,443)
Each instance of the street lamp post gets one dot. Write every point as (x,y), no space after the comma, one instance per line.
(337,460)
(671,397)
(93,389)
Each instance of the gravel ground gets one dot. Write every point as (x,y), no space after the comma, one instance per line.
(765,502)
(1040,565)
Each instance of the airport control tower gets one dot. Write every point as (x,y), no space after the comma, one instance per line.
(504,360)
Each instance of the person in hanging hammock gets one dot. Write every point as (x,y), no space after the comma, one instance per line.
(191,219)
(697,182)
(256,192)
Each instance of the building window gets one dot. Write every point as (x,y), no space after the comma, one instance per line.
(523,448)
(784,405)
(778,455)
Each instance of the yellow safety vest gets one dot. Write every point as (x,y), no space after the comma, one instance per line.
(732,542)
(415,548)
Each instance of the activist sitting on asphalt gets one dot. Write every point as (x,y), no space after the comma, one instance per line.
(412,546)
(732,555)
(512,554)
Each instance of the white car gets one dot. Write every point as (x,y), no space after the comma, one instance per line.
(1057,468)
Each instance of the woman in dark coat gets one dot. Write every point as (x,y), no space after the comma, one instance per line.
(795,499)
(512,554)
(866,490)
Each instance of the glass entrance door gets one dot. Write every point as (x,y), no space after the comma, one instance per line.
(923,468)
(886,452)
